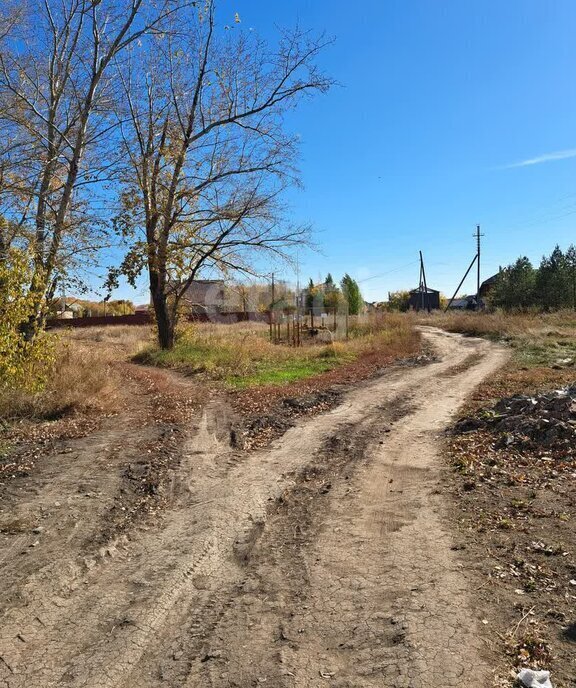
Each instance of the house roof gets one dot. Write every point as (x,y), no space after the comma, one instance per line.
(490,280)
(429,290)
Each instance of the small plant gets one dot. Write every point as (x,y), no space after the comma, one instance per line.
(504,523)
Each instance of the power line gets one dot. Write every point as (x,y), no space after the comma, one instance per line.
(382,274)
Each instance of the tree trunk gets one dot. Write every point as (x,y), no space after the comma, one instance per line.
(164,323)
(37,319)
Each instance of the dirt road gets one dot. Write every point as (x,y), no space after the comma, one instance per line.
(322,560)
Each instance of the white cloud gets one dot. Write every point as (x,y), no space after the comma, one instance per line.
(547,157)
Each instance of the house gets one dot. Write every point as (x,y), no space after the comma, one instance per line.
(488,284)
(205,295)
(424,299)
(67,308)
(467,303)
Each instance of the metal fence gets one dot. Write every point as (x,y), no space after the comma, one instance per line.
(309,327)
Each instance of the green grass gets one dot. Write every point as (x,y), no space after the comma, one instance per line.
(242,355)
(544,351)
(285,372)
(190,357)
(537,339)
(249,363)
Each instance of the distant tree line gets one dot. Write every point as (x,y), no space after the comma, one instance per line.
(550,286)
(90,309)
(400,301)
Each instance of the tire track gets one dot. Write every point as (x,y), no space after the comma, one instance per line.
(174,588)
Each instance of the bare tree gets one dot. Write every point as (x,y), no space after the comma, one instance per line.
(209,154)
(57,64)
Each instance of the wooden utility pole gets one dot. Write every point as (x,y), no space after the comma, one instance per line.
(476,260)
(478,235)
(424,286)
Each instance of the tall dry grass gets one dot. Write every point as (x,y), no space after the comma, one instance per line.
(81,380)
(537,339)
(500,325)
(120,339)
(84,377)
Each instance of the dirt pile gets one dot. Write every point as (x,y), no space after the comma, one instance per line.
(529,422)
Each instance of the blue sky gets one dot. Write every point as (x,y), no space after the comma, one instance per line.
(439,104)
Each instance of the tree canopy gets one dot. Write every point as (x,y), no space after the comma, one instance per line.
(176,111)
(550,286)
(352,294)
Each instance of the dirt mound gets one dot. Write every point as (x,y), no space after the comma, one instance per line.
(529,422)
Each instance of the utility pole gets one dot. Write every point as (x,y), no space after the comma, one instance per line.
(421,283)
(271,313)
(478,235)
(424,285)
(476,260)
(297,284)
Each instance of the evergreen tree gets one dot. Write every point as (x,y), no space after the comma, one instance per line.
(332,295)
(351,292)
(329,282)
(552,288)
(311,293)
(515,286)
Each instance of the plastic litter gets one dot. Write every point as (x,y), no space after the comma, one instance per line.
(535,679)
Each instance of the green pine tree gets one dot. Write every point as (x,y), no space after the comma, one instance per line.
(515,286)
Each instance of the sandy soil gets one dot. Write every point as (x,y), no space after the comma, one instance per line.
(323,559)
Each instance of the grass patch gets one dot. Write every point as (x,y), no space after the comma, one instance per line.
(281,374)
(537,339)
(548,351)
(242,356)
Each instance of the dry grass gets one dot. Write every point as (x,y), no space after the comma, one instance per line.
(543,349)
(118,339)
(242,354)
(501,325)
(538,339)
(82,380)
(86,376)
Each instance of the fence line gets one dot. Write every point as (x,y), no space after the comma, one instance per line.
(147,319)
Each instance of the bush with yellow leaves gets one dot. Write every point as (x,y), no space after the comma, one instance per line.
(24,363)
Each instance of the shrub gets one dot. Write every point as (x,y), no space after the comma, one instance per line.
(25,363)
